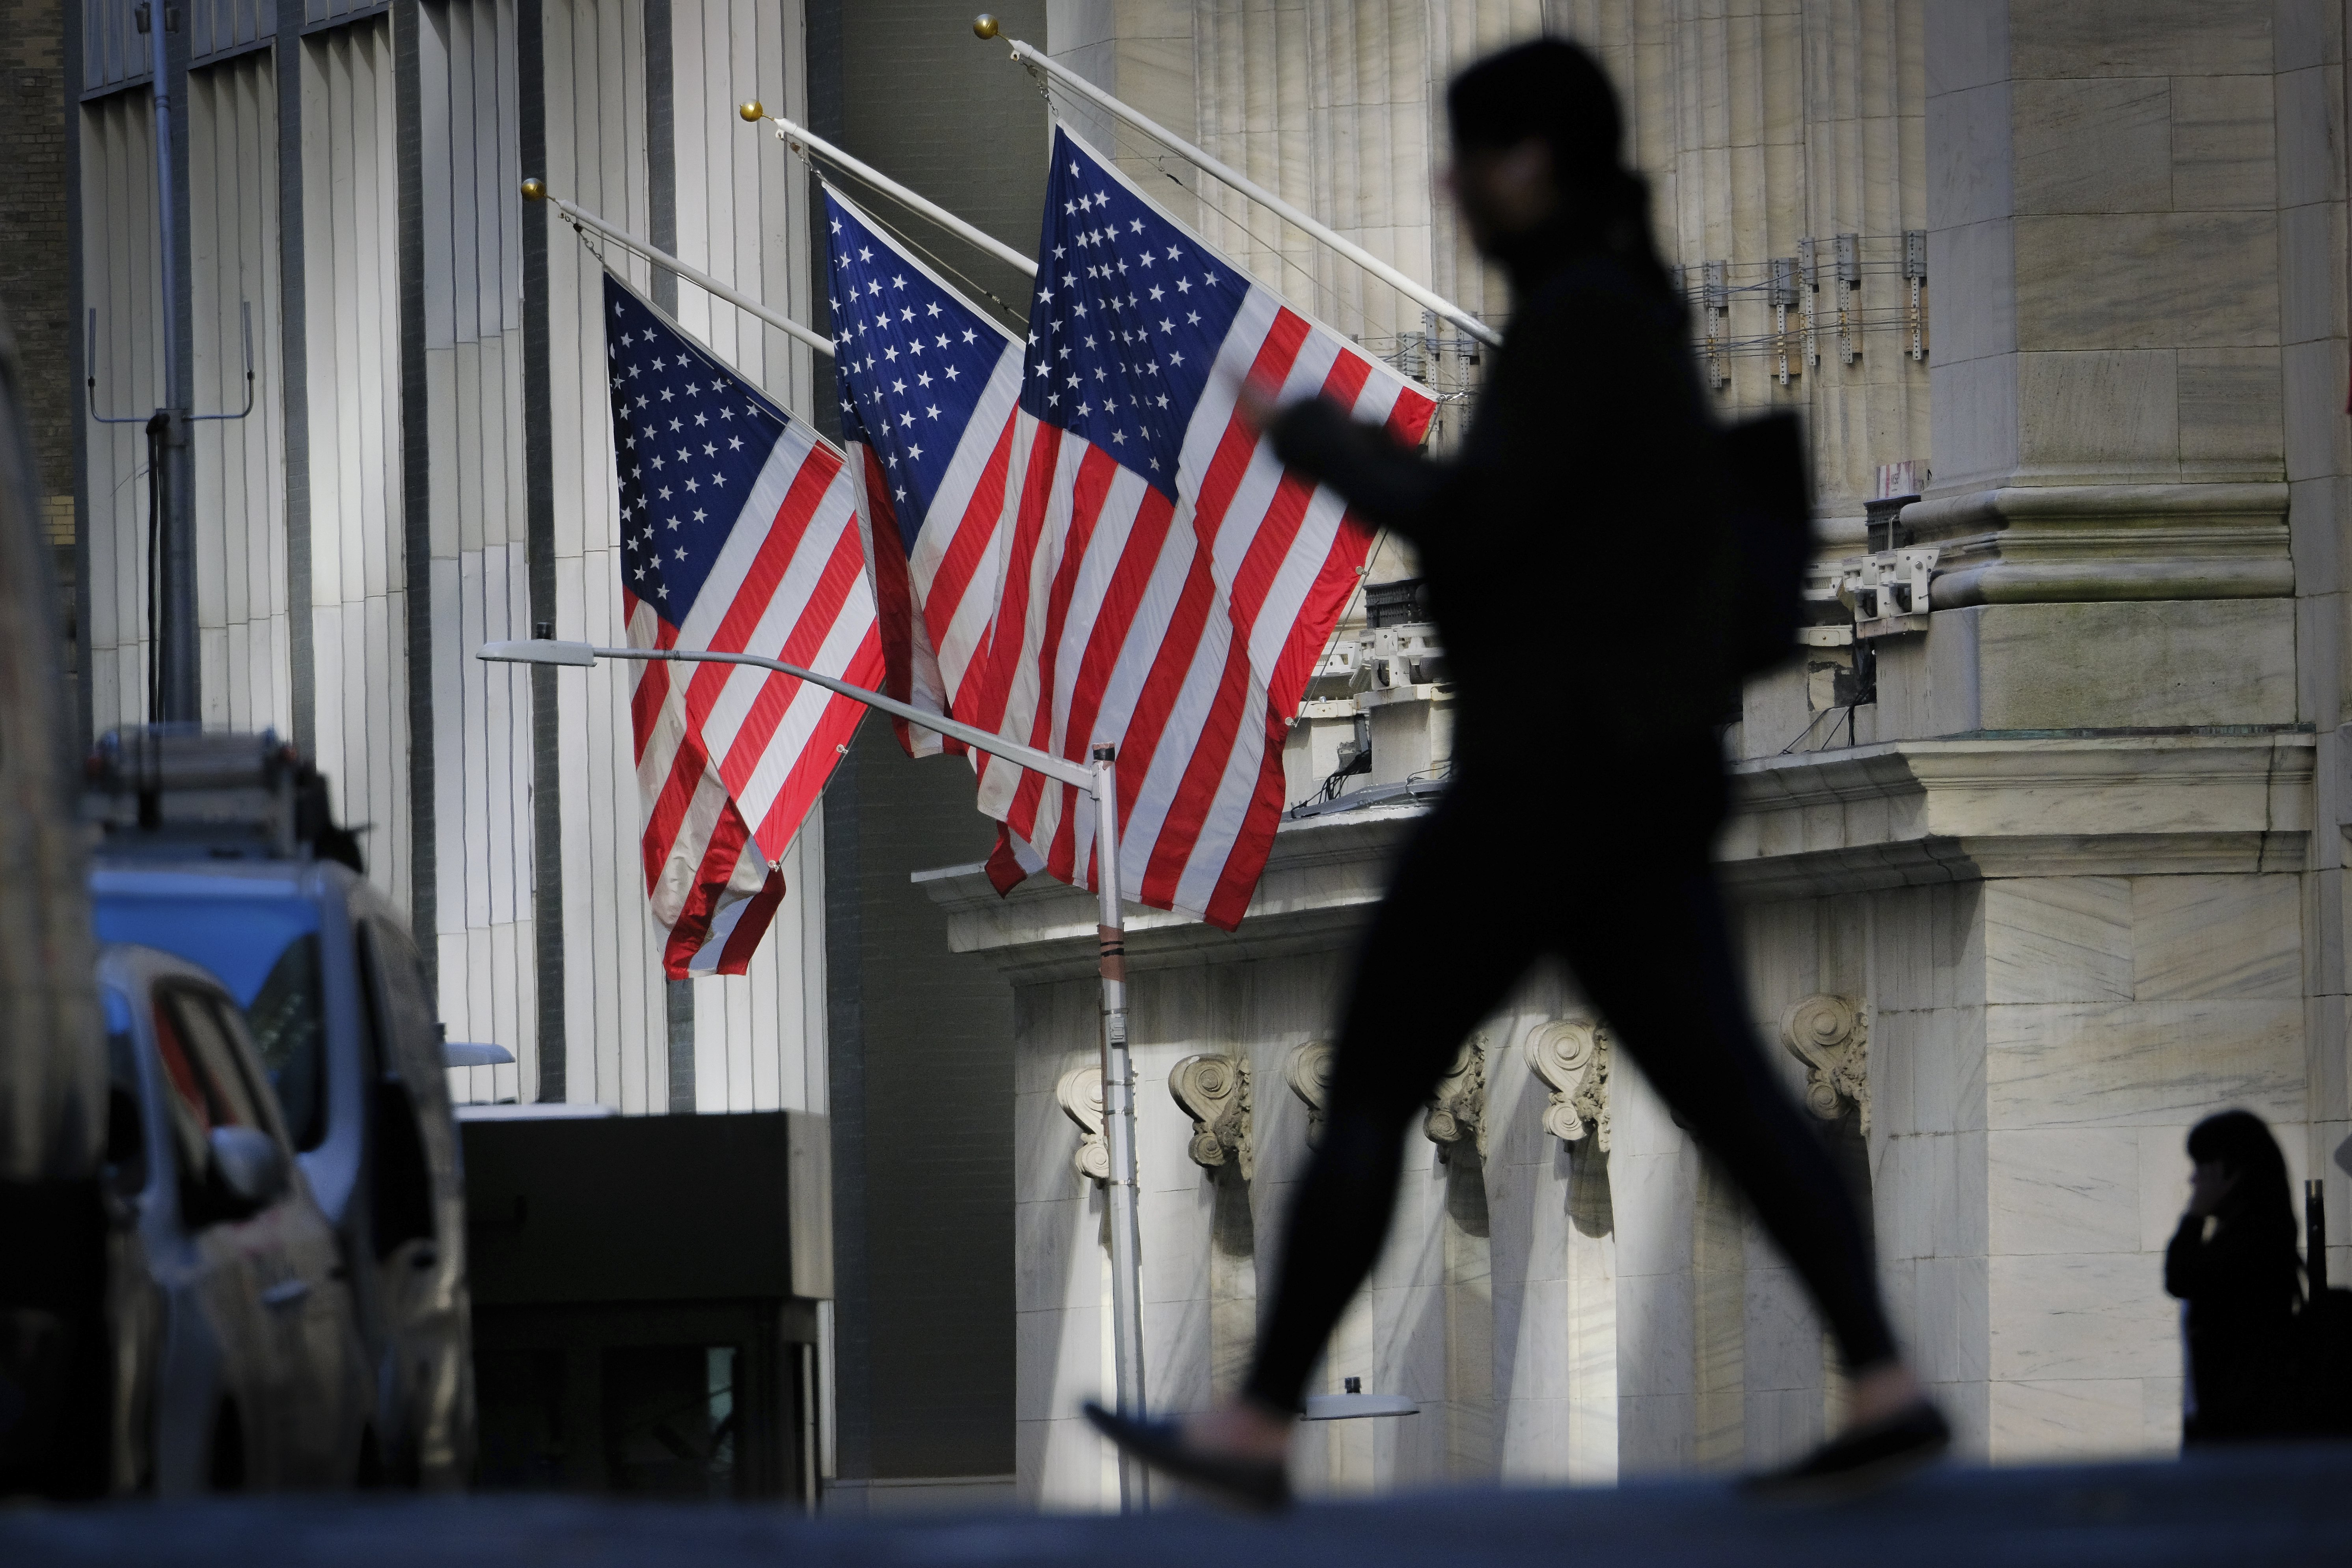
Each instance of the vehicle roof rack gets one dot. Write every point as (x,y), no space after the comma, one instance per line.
(179,790)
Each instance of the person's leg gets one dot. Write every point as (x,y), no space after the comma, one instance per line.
(1448,943)
(1654,956)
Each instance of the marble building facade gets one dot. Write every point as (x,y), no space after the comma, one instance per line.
(2038,851)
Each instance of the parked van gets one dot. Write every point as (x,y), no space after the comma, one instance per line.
(217,847)
(244,1367)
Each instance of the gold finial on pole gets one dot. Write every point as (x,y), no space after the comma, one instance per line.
(983,26)
(534,189)
(752,113)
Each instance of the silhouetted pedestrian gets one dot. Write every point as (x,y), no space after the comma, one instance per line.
(2233,1263)
(1588,778)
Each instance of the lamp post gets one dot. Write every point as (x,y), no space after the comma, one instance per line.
(1098,779)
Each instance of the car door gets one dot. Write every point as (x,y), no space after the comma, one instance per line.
(311,1307)
(222,1266)
(273,1271)
(416,1213)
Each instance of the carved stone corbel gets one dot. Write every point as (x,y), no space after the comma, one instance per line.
(1457,1111)
(1831,1036)
(1309,1073)
(1214,1092)
(1571,1057)
(1081,1094)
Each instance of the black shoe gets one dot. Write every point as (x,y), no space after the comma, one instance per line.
(1861,1460)
(1262,1486)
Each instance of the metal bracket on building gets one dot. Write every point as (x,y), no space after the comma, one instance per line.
(1715,310)
(1888,591)
(1849,309)
(1784,294)
(1915,273)
(1809,282)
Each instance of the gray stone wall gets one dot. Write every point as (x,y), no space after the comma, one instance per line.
(36,266)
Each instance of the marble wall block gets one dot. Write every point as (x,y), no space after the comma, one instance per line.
(2142,1063)
(2230,414)
(2224,143)
(2092,144)
(2202,936)
(2147,279)
(2091,665)
(2140,39)
(2109,414)
(2058,939)
(2311,263)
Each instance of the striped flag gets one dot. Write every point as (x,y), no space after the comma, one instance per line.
(1165,584)
(738,535)
(926,387)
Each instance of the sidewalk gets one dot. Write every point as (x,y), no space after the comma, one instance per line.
(2272,1507)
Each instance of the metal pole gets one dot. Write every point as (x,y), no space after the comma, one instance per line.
(535,190)
(168,449)
(1100,781)
(802,140)
(165,214)
(1356,253)
(539,650)
(1118,1129)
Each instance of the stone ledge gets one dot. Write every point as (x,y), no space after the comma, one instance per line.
(2028,544)
(1899,814)
(1959,809)
(1323,875)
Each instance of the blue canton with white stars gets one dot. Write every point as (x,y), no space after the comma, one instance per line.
(912,360)
(689,439)
(1127,316)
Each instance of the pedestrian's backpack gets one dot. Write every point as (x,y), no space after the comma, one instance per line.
(2324,1331)
(1768,492)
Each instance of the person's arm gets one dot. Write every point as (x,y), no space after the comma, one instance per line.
(1389,485)
(2184,1259)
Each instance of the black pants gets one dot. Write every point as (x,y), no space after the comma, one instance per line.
(1497,877)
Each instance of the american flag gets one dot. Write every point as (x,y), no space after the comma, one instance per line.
(738,535)
(926,387)
(1166,586)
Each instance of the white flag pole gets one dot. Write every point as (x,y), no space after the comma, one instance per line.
(1098,779)
(1118,1129)
(535,190)
(802,140)
(1029,54)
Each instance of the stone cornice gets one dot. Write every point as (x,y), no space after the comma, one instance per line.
(1323,874)
(1891,814)
(2042,544)
(1908,812)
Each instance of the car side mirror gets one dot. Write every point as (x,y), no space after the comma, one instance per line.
(251,1166)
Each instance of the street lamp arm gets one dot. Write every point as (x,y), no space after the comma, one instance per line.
(545,651)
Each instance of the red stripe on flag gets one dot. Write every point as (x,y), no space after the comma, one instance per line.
(968,545)
(1262,563)
(813,765)
(1006,637)
(894,597)
(1089,493)
(1253,842)
(814,624)
(735,958)
(692,928)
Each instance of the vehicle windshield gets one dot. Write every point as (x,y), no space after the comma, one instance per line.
(266,951)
